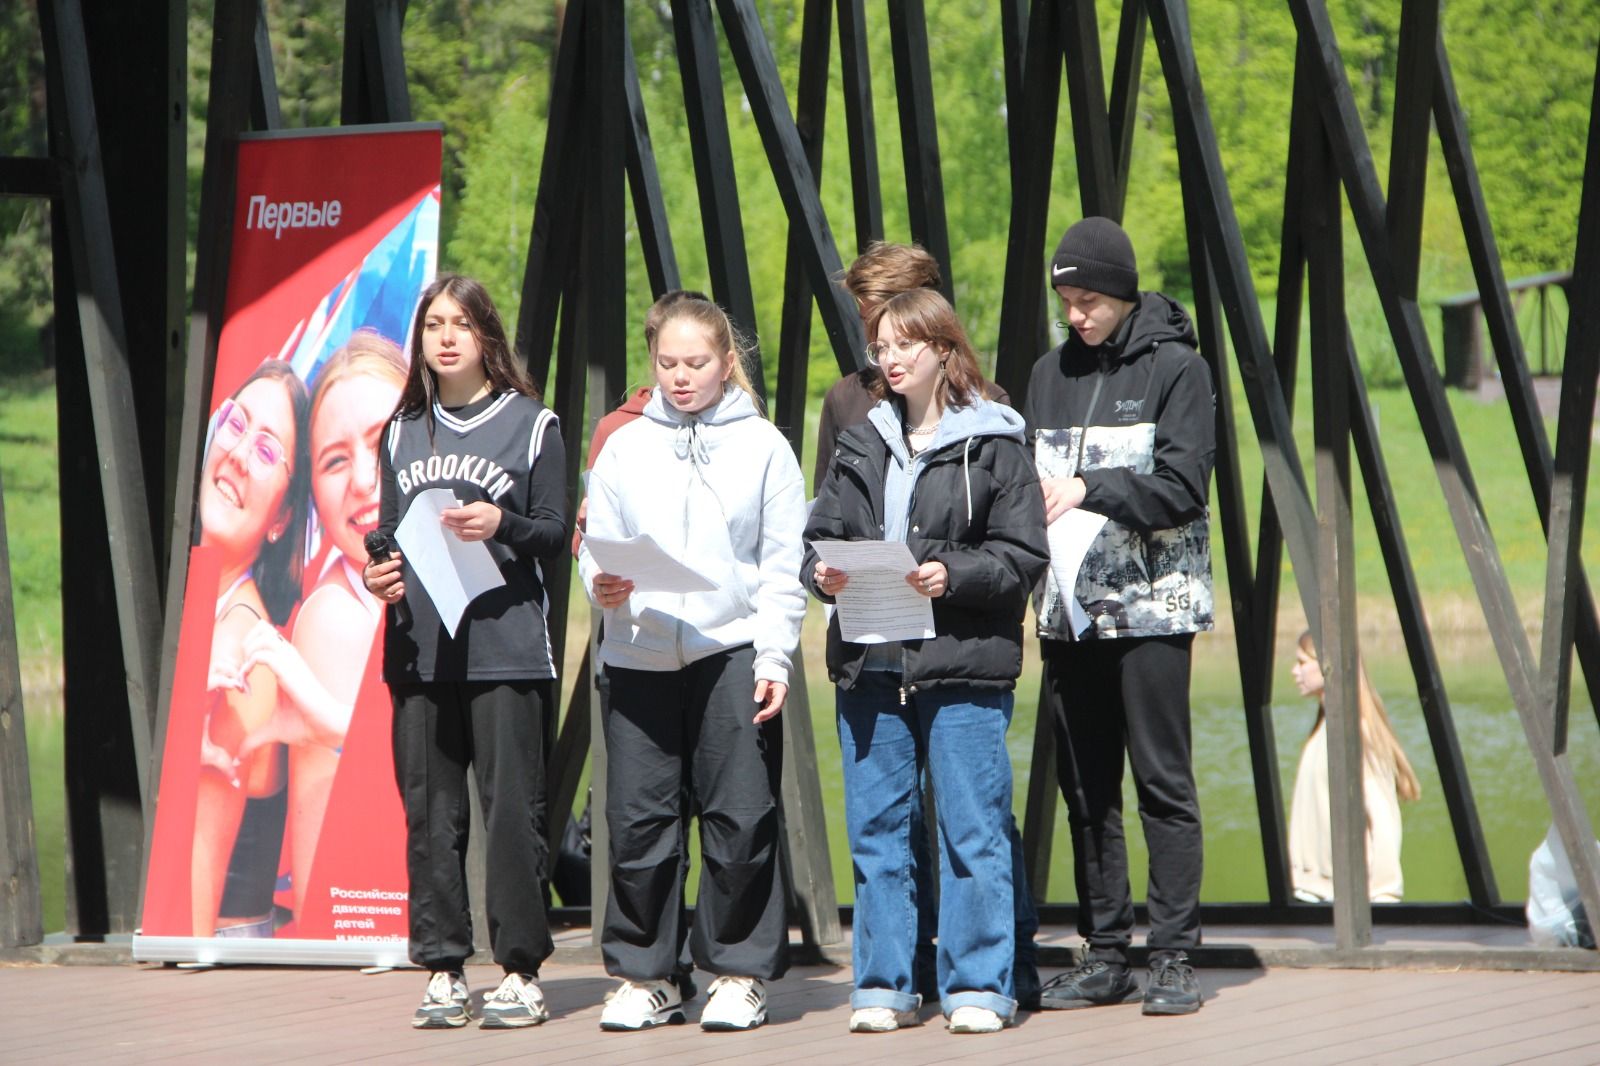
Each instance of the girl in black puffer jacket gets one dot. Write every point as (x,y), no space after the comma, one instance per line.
(944,470)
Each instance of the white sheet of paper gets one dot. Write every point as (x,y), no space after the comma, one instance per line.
(644,562)
(877,605)
(453,572)
(1070,537)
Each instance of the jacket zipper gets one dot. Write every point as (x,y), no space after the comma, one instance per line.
(1083,437)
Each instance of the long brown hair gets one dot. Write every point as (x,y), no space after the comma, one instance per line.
(500,364)
(925,315)
(1378,738)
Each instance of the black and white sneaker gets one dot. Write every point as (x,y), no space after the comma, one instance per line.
(635,1005)
(516,1004)
(444,1006)
(735,1004)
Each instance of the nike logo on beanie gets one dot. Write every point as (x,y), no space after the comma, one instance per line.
(1056,272)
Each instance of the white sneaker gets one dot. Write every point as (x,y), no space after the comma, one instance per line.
(635,1005)
(517,1003)
(975,1020)
(735,1003)
(881,1019)
(444,1005)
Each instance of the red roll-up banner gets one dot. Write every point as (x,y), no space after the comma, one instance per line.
(279,835)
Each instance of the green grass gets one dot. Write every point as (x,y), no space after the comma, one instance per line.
(29,476)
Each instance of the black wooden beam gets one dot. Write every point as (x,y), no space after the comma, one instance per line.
(264,110)
(707,118)
(1286,357)
(794,333)
(21,916)
(233,72)
(919,135)
(1574,434)
(1257,372)
(1086,95)
(1408,152)
(27,176)
(1506,340)
(1125,95)
(1030,203)
(1323,224)
(1413,622)
(644,180)
(557,205)
(786,156)
(88,218)
(1235,524)
(855,65)
(1336,103)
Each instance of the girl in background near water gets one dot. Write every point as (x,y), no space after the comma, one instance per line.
(1387,778)
(252,507)
(944,470)
(697,680)
(470,423)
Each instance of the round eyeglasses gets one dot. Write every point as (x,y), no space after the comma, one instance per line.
(903,351)
(266,451)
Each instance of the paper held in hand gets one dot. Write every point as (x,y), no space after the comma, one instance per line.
(1070,537)
(644,562)
(877,605)
(453,572)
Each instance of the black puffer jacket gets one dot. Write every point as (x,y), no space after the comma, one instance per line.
(977,509)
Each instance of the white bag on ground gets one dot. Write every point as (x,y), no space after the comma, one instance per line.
(1555,910)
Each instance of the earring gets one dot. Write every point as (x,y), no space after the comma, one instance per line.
(272,537)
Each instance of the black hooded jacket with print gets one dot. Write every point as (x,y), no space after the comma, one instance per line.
(1135,418)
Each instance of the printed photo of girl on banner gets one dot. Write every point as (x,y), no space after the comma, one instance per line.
(279,835)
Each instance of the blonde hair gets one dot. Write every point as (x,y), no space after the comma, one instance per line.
(366,351)
(1378,738)
(713,321)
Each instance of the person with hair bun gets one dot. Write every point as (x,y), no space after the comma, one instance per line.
(697,680)
(470,422)
(944,470)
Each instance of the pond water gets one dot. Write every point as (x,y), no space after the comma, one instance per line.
(1510,801)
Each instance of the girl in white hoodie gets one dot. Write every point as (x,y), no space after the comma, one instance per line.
(697,679)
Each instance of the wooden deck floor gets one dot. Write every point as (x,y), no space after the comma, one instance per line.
(145,1013)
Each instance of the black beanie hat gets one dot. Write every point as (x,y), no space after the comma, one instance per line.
(1096,254)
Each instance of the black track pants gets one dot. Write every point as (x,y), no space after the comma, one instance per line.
(1127,696)
(679,743)
(498,728)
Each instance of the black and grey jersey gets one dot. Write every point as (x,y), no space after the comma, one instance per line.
(1135,418)
(505,449)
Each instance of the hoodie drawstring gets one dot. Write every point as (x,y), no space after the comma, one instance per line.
(966,475)
(686,444)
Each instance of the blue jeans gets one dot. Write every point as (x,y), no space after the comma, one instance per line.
(960,733)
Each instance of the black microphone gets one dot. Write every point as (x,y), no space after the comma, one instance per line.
(377,545)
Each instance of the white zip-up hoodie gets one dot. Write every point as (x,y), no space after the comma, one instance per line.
(721,491)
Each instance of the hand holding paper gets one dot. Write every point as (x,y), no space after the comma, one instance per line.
(646,564)
(1070,537)
(876,604)
(453,572)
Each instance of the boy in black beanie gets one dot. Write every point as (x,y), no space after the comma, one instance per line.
(1121,417)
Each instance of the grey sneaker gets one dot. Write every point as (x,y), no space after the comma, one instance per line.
(444,1006)
(516,1004)
(1173,988)
(1089,984)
